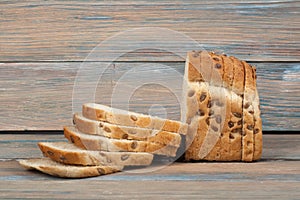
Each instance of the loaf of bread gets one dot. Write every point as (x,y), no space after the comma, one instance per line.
(53,168)
(109,130)
(220,122)
(100,143)
(68,153)
(221,108)
(127,118)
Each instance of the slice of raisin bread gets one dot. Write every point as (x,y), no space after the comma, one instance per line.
(100,143)
(68,153)
(248,114)
(258,139)
(95,127)
(197,115)
(127,118)
(206,115)
(48,166)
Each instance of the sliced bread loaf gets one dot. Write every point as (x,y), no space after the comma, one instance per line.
(127,118)
(48,166)
(95,127)
(100,143)
(237,136)
(68,153)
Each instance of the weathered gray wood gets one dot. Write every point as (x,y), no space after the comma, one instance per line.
(69,30)
(276,176)
(38,96)
(13,146)
(201,189)
(261,180)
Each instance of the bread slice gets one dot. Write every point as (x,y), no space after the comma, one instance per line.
(48,166)
(197,115)
(68,153)
(205,106)
(227,77)
(238,76)
(237,109)
(235,125)
(95,127)
(100,143)
(126,118)
(258,139)
(215,146)
(248,114)
(233,121)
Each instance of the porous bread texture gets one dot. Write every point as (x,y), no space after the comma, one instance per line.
(257,132)
(208,116)
(126,118)
(50,167)
(248,115)
(109,130)
(100,143)
(68,153)
(237,79)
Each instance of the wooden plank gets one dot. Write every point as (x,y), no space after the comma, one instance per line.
(88,189)
(38,96)
(276,176)
(13,146)
(276,180)
(69,30)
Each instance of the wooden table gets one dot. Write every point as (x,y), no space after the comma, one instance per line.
(43,45)
(276,176)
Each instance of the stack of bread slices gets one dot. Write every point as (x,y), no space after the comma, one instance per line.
(104,140)
(221,106)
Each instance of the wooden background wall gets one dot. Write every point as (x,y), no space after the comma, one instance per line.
(43,44)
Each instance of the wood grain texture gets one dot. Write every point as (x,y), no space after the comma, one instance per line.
(69,30)
(37,96)
(276,176)
(14,146)
(203,188)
